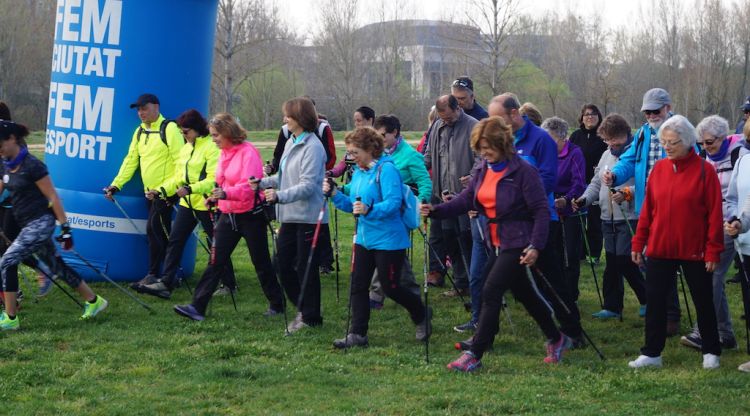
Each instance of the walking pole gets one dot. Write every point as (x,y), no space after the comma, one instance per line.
(467,305)
(275,259)
(561,302)
(590,260)
(109,279)
(351,277)
(745,286)
(312,252)
(425,273)
(336,247)
(127,217)
(684,295)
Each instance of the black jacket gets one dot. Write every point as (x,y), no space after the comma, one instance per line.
(592,146)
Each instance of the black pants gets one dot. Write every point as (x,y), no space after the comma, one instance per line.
(568,246)
(594,230)
(436,240)
(660,278)
(549,263)
(456,241)
(293,244)
(326,249)
(388,264)
(612,282)
(229,229)
(158,227)
(503,272)
(184,223)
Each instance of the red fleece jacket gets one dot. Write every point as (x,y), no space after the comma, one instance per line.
(681,218)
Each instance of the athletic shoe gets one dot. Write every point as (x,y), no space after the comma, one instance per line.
(45,285)
(375,305)
(90,310)
(605,314)
(435,279)
(466,363)
(642,311)
(745,367)
(326,269)
(466,327)
(645,361)
(224,291)
(351,340)
(424,328)
(272,312)
(7,324)
(453,293)
(188,311)
(147,280)
(297,324)
(555,350)
(673,328)
(710,361)
(692,340)
(728,343)
(158,289)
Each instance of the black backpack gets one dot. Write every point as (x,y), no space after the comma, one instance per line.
(162,131)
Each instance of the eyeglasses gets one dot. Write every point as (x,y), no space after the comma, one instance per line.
(613,139)
(652,112)
(670,144)
(590,115)
(709,142)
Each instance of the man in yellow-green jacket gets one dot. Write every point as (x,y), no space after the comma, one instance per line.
(154,149)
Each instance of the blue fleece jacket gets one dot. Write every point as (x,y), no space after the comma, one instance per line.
(381,228)
(535,146)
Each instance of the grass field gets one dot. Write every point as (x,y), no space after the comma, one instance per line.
(128,362)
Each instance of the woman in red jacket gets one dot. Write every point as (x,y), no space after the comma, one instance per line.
(680,226)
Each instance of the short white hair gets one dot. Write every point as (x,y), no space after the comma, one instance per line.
(681,126)
(716,126)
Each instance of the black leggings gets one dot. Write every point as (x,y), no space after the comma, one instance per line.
(229,229)
(294,244)
(503,272)
(158,228)
(388,264)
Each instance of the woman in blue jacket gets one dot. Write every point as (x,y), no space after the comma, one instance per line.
(381,236)
(510,193)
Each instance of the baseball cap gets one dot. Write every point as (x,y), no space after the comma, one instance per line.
(145,99)
(655,99)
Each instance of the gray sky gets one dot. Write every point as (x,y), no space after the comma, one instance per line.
(615,13)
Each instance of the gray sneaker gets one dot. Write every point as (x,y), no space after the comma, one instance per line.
(147,280)
(351,340)
(424,328)
(158,289)
(296,324)
(224,291)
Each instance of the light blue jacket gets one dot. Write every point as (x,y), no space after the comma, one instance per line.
(633,164)
(381,228)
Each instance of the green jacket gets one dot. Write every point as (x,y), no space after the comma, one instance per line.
(156,160)
(196,166)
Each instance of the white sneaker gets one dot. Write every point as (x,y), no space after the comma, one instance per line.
(645,361)
(745,367)
(296,324)
(710,361)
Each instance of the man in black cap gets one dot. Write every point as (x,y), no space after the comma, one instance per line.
(745,107)
(154,150)
(463,90)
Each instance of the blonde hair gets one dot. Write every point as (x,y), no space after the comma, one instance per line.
(228,127)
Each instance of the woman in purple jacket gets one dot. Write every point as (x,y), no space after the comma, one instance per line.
(510,193)
(571,183)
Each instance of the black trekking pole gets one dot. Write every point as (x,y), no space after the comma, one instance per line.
(561,302)
(109,279)
(425,273)
(351,277)
(745,287)
(275,259)
(336,247)
(681,272)
(467,305)
(590,260)
(127,217)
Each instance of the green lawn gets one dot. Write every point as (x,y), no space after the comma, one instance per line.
(127,361)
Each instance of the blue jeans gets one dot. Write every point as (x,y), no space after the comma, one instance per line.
(478,261)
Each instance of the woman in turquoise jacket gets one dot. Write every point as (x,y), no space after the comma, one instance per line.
(375,198)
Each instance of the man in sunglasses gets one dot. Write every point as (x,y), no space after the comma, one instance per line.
(463,90)
(745,107)
(154,150)
(638,161)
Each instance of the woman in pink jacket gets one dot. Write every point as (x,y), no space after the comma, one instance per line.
(241,217)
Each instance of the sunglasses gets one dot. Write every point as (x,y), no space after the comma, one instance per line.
(590,115)
(708,142)
(461,83)
(652,112)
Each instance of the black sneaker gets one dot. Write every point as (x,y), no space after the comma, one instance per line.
(351,340)
(424,328)
(728,343)
(692,341)
(326,269)
(158,289)
(147,280)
